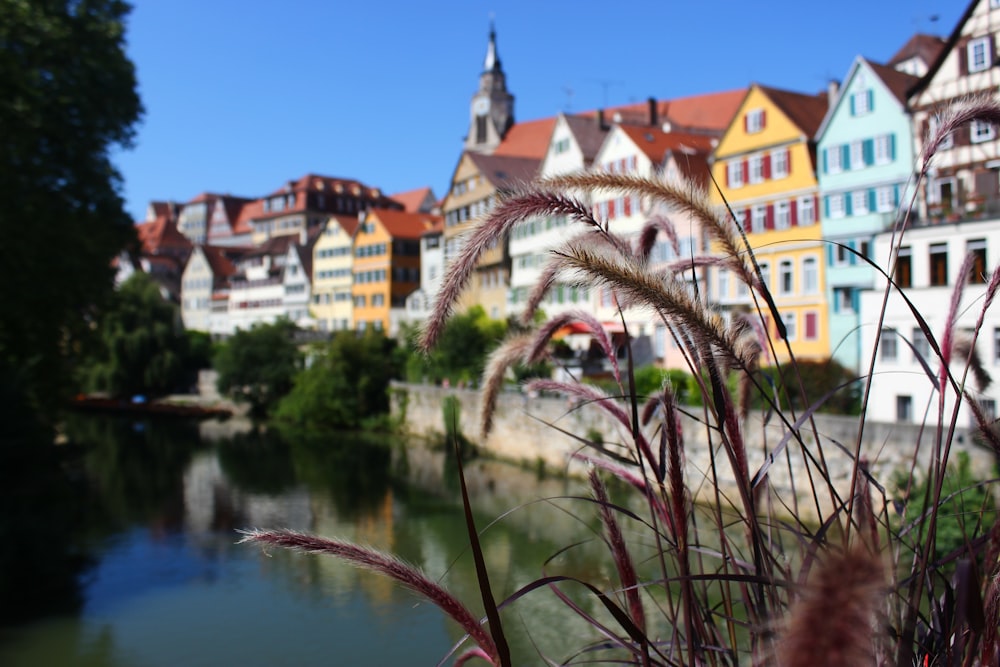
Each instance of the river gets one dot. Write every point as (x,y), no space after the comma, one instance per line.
(139,563)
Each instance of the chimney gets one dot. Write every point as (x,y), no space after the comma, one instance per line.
(832,91)
(601,123)
(653,115)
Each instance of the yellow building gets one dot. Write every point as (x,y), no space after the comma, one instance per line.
(386,265)
(333,261)
(764,165)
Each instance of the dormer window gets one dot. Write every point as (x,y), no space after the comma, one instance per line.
(754,121)
(862,102)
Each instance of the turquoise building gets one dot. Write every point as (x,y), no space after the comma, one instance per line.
(864,162)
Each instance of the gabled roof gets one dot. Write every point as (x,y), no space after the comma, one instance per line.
(161,235)
(693,164)
(712,111)
(505,172)
(251,210)
(946,48)
(413,200)
(349,223)
(654,142)
(926,47)
(806,111)
(897,82)
(527,139)
(404,225)
(316,183)
(589,134)
(219,259)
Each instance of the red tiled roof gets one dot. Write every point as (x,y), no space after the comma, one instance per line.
(806,111)
(927,47)
(589,134)
(413,200)
(405,225)
(160,235)
(349,223)
(527,139)
(654,142)
(693,164)
(220,259)
(711,111)
(505,172)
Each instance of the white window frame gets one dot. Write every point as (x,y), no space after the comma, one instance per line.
(789,319)
(888,345)
(857,155)
(786,277)
(806,204)
(972,48)
(723,284)
(782,215)
(755,169)
(755,121)
(765,274)
(842,300)
(883,149)
(834,159)
(932,124)
(779,163)
(758,218)
(859,202)
(836,206)
(810,275)
(885,199)
(735,168)
(981,131)
(860,103)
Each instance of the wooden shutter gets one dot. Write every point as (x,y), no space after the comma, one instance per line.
(611,209)
(725,167)
(811,327)
(769,218)
(793,212)
(746,123)
(763,118)
(845,156)
(963,57)
(746,171)
(766,159)
(826,169)
(868,151)
(871,99)
(628,200)
(854,111)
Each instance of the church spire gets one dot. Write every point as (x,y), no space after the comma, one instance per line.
(492,61)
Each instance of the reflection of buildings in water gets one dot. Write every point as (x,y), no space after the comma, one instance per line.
(212,504)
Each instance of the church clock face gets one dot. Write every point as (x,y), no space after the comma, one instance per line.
(481,107)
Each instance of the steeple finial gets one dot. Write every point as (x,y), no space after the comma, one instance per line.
(492,61)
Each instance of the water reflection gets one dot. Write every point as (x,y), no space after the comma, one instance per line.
(169,585)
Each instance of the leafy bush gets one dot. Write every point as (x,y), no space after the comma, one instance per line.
(258,365)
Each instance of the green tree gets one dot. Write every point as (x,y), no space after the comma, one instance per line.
(346,383)
(143,347)
(460,355)
(69,98)
(258,365)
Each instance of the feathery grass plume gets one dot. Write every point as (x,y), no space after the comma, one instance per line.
(633,480)
(963,348)
(951,322)
(595,327)
(375,560)
(505,215)
(835,619)
(684,196)
(651,230)
(620,553)
(990,654)
(983,108)
(671,300)
(510,352)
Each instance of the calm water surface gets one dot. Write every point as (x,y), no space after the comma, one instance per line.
(154,575)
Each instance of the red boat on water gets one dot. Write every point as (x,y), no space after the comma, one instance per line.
(148,408)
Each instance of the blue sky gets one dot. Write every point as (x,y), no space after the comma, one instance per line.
(242,96)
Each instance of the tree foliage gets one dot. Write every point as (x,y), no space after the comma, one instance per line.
(465,343)
(143,348)
(69,97)
(346,383)
(258,365)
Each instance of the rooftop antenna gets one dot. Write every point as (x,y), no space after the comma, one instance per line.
(569,99)
(605,84)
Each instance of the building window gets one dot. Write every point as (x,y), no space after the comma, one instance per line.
(904,408)
(779,163)
(786,280)
(977,248)
(921,346)
(859,202)
(723,284)
(835,206)
(939,264)
(807,211)
(735,168)
(982,131)
(887,345)
(758,219)
(883,149)
(904,267)
(861,102)
(842,300)
(932,125)
(782,215)
(978,51)
(378,299)
(754,121)
(789,320)
(834,162)
(765,275)
(810,275)
(756,169)
(996,345)
(857,155)
(885,198)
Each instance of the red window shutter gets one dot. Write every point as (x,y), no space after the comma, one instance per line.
(725,168)
(746,171)
(811,325)
(611,209)
(963,58)
(763,118)
(746,122)
(628,206)
(769,219)
(788,160)
(793,212)
(767,165)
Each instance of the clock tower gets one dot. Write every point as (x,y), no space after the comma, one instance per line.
(491,112)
